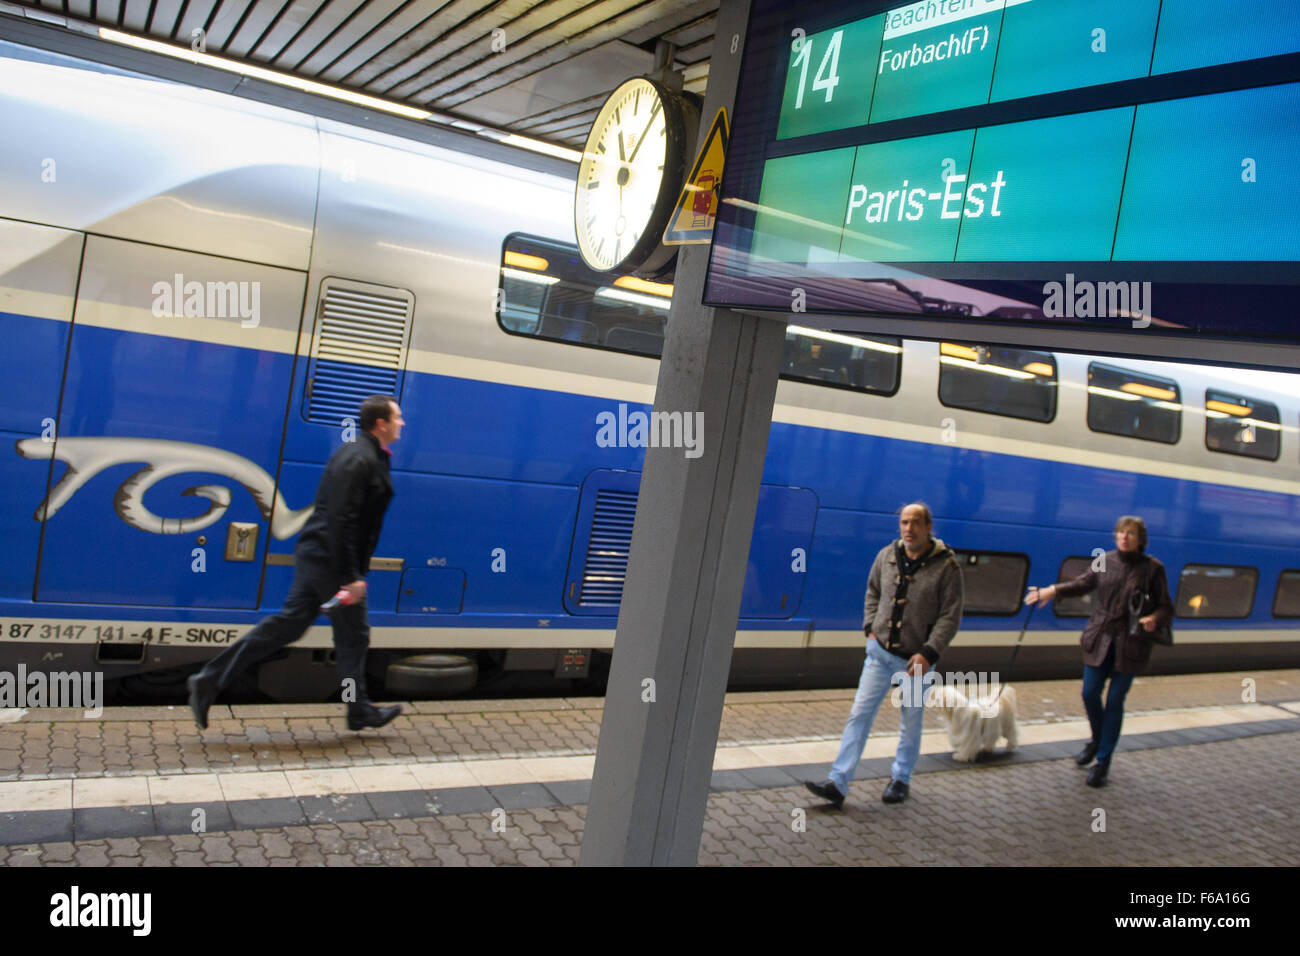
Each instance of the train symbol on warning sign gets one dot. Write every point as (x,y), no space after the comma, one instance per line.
(697,206)
(702,204)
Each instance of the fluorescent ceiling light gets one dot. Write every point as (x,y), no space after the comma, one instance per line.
(958,351)
(1148,391)
(653,301)
(1227,407)
(532,277)
(259,73)
(664,289)
(843,339)
(1111,393)
(995,369)
(334,92)
(523,260)
(537,146)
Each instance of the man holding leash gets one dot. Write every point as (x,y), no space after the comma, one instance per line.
(333,555)
(911,614)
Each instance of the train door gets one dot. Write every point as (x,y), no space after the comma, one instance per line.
(38,280)
(169,429)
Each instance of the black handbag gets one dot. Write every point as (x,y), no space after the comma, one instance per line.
(1140,604)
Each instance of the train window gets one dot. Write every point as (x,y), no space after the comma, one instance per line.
(548,292)
(1001,381)
(868,363)
(1121,402)
(1210,591)
(521,302)
(1287,601)
(1237,425)
(994,582)
(1079,605)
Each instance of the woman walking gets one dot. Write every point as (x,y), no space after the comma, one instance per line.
(1111,648)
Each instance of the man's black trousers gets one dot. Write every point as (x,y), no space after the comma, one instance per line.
(313,585)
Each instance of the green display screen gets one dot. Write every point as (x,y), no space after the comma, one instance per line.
(940,55)
(962,157)
(818,67)
(1118,184)
(927,68)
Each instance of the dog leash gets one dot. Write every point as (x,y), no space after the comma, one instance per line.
(1016,650)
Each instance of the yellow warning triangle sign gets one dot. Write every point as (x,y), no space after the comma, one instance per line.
(697,207)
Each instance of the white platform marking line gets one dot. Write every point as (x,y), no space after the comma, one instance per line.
(208,787)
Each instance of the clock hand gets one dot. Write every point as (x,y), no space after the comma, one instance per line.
(644,132)
(618,241)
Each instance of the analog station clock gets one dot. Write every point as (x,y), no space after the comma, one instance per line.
(631,175)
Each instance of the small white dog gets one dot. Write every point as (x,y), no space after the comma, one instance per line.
(974,727)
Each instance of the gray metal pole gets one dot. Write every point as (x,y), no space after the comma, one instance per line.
(686,569)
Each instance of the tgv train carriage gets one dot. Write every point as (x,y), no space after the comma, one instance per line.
(196,290)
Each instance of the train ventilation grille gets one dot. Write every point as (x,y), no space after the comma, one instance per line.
(359,349)
(607,549)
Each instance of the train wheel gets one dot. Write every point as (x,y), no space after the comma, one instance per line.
(430,676)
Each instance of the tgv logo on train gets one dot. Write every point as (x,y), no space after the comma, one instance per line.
(970,202)
(653,430)
(208,300)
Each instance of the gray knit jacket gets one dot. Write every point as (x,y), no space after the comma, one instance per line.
(932,613)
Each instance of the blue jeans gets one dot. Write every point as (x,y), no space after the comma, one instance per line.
(880,672)
(1105,721)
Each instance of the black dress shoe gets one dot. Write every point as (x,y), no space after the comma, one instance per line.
(896,792)
(1084,756)
(1097,775)
(202,694)
(827,791)
(368,715)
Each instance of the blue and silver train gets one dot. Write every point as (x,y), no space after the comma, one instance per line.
(196,290)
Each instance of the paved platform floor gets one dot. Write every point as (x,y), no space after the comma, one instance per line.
(1202,778)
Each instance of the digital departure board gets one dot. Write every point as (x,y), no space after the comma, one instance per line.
(971,152)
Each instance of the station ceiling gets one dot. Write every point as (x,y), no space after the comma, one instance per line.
(539,68)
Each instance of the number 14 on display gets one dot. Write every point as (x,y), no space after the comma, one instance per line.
(827,77)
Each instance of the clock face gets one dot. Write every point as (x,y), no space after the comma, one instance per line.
(618,206)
